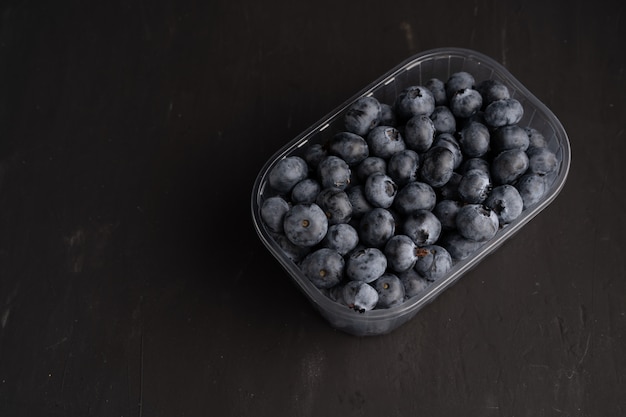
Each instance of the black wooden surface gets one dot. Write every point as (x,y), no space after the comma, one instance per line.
(132,282)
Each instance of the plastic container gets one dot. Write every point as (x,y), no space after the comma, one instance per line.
(439,63)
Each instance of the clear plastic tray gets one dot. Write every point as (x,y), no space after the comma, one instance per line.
(439,63)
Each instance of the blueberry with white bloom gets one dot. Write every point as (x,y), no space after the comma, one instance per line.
(333,171)
(413,101)
(350,147)
(384,141)
(423,227)
(401,253)
(287,173)
(507,111)
(335,204)
(506,201)
(365,264)
(390,290)
(305,224)
(380,190)
(359,296)
(419,133)
(324,267)
(363,115)
(376,227)
(477,222)
(273,212)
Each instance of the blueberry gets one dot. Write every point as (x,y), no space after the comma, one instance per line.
(335,204)
(370,165)
(358,201)
(380,190)
(508,166)
(532,188)
(542,161)
(458,246)
(365,264)
(492,90)
(305,224)
(341,237)
(401,253)
(413,101)
(413,282)
(402,167)
(376,227)
(292,251)
(333,171)
(507,111)
(433,262)
(477,222)
(390,290)
(443,120)
(419,133)
(438,165)
(475,186)
(359,296)
(465,102)
(384,141)
(350,147)
(362,115)
(458,81)
(287,173)
(446,211)
(305,191)
(387,115)
(324,267)
(475,163)
(474,140)
(273,211)
(422,226)
(509,137)
(448,141)
(314,154)
(438,89)
(506,202)
(415,195)
(535,138)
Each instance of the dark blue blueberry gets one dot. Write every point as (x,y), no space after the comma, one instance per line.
(447,140)
(415,195)
(535,138)
(403,167)
(401,253)
(438,89)
(419,133)
(446,211)
(287,173)
(433,262)
(477,222)
(293,252)
(341,237)
(509,137)
(350,147)
(542,161)
(376,227)
(365,264)
(508,166)
(414,101)
(422,226)
(358,200)
(305,191)
(387,115)
(507,111)
(333,171)
(369,166)
(324,267)
(492,90)
(438,165)
(475,163)
(380,190)
(475,186)
(458,246)
(335,204)
(474,140)
(384,141)
(458,81)
(465,102)
(362,116)
(532,188)
(413,282)
(450,190)
(390,290)
(305,224)
(506,202)
(359,296)
(314,153)
(443,120)
(273,212)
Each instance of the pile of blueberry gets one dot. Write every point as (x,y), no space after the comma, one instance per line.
(387,205)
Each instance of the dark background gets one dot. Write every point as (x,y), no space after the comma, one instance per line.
(132,282)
